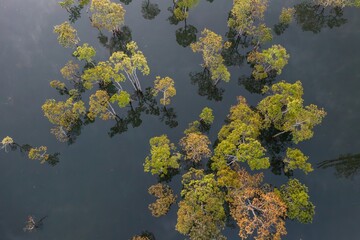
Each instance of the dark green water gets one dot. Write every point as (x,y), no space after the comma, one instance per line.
(99,189)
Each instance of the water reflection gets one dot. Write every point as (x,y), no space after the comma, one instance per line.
(186,35)
(149,10)
(313,17)
(346,166)
(117,41)
(205,85)
(126,2)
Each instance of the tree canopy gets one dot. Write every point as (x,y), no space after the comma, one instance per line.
(107,15)
(210,45)
(163,156)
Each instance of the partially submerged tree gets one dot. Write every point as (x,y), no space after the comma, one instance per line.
(295,195)
(33,153)
(210,45)
(130,63)
(163,156)
(107,15)
(238,139)
(165,198)
(196,146)
(85,52)
(201,215)
(166,86)
(284,109)
(272,59)
(64,115)
(257,209)
(100,106)
(246,19)
(67,35)
(295,159)
(181,8)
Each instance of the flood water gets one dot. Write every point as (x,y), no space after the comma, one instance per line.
(99,190)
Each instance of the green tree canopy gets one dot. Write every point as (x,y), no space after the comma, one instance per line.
(166,86)
(272,59)
(201,215)
(295,195)
(163,156)
(284,109)
(107,15)
(67,35)
(210,45)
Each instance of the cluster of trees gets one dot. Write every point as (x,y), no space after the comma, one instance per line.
(33,153)
(217,187)
(217,182)
(111,78)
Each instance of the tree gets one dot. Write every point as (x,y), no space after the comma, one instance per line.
(69,71)
(182,7)
(107,15)
(145,235)
(257,209)
(295,195)
(166,86)
(102,73)
(85,52)
(100,106)
(244,14)
(272,59)
(211,45)
(284,109)
(163,156)
(195,146)
(206,116)
(67,35)
(201,215)
(295,159)
(123,98)
(39,154)
(286,15)
(285,18)
(165,198)
(129,64)
(149,10)
(6,143)
(64,114)
(238,139)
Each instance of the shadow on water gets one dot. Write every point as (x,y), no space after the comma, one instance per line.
(117,41)
(313,17)
(346,166)
(149,10)
(206,86)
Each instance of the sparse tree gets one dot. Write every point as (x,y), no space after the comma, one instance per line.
(211,45)
(100,106)
(85,52)
(195,146)
(107,15)
(67,35)
(166,86)
(165,198)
